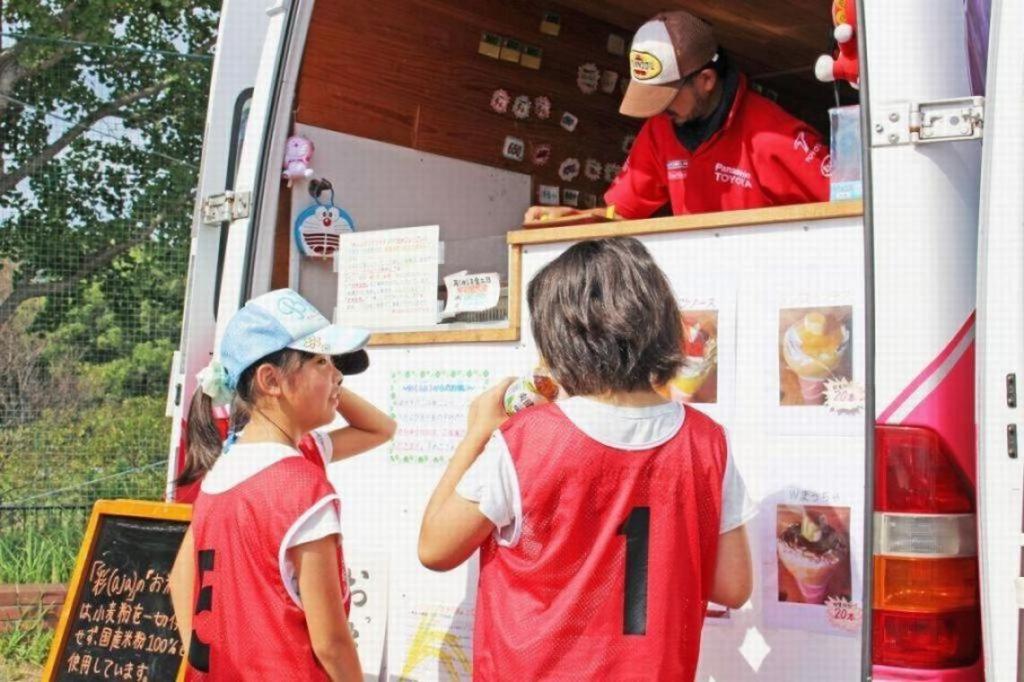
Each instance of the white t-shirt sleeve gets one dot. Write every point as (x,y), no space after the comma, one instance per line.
(324,444)
(323,520)
(737,507)
(492,483)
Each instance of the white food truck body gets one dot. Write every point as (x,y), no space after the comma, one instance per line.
(931,267)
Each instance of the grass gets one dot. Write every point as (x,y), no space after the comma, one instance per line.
(30,553)
(34,553)
(23,648)
(105,451)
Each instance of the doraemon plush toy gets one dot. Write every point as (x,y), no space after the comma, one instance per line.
(297,155)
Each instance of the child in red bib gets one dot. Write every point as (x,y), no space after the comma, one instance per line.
(258,586)
(607,520)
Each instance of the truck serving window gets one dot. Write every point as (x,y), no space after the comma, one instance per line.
(464,118)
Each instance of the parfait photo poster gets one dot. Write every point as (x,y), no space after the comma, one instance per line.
(811,563)
(706,379)
(813,338)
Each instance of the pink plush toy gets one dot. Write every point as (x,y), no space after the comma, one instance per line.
(297,155)
(844,65)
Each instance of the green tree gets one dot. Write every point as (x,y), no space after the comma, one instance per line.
(99,150)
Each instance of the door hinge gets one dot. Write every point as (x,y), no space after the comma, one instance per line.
(226,207)
(945,120)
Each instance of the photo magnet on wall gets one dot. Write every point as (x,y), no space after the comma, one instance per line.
(500,100)
(511,50)
(513,149)
(616,45)
(588,77)
(542,107)
(570,197)
(608,81)
(540,154)
(547,195)
(531,57)
(490,45)
(569,169)
(521,107)
(551,24)
(568,121)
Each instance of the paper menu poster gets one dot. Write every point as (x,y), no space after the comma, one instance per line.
(430,408)
(388,278)
(431,641)
(367,578)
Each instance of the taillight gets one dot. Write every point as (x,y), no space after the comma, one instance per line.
(916,474)
(926,609)
(934,640)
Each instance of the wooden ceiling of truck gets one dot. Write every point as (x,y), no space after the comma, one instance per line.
(775,42)
(766,36)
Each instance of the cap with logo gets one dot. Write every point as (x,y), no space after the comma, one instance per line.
(665,50)
(283,319)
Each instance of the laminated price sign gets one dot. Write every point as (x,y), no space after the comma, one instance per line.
(471,293)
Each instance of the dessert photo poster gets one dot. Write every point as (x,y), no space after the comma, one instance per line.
(707,308)
(813,337)
(811,563)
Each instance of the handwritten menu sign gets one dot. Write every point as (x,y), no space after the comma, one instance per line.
(430,407)
(388,278)
(117,622)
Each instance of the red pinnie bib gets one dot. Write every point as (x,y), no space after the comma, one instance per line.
(610,577)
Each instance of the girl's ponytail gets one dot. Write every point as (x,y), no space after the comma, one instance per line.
(204,440)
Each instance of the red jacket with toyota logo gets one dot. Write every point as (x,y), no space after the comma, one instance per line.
(761,156)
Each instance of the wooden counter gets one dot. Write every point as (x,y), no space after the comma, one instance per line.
(700,221)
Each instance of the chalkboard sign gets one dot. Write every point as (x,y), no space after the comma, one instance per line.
(117,622)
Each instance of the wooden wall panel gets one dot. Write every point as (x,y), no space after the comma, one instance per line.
(408,72)
(414,78)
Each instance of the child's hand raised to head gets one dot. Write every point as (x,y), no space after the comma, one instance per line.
(487,411)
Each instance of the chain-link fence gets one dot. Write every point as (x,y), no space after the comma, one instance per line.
(100,142)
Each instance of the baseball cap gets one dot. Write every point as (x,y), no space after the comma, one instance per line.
(282,319)
(665,50)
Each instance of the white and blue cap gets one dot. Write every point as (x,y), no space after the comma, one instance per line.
(272,322)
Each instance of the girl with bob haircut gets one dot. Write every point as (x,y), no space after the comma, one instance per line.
(258,585)
(606,520)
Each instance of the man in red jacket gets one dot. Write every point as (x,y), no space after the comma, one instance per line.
(709,143)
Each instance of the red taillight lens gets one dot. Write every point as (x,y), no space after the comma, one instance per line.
(927,640)
(915,473)
(925,606)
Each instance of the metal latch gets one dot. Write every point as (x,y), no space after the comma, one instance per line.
(229,206)
(951,119)
(922,122)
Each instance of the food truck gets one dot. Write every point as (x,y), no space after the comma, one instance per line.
(378,157)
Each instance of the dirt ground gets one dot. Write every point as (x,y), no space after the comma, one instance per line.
(20,672)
